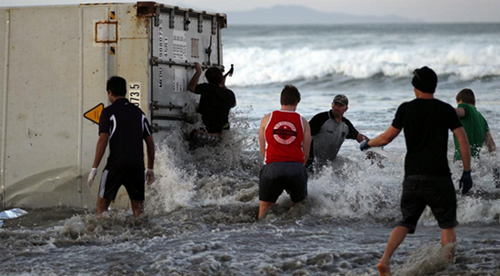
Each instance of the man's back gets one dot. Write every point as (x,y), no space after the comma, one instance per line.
(284,137)
(215,103)
(426,123)
(127,127)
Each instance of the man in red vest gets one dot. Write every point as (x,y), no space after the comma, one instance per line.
(284,138)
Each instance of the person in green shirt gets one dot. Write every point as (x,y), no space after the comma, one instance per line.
(476,127)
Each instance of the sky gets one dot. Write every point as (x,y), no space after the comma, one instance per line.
(422,10)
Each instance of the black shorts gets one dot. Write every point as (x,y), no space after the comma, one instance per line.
(438,194)
(132,178)
(279,176)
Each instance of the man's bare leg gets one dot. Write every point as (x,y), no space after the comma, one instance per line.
(397,237)
(137,207)
(448,236)
(263,206)
(102,205)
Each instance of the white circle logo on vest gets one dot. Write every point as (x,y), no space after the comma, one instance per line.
(285,133)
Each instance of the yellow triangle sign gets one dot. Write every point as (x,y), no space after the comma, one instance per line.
(95,113)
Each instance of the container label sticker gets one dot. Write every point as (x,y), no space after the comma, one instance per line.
(180,81)
(94,114)
(134,93)
(180,45)
(195,50)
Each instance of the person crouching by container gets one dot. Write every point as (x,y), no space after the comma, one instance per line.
(284,138)
(216,100)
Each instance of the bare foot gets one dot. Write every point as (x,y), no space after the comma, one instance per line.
(384,268)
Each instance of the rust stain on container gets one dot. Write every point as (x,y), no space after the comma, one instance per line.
(102,33)
(146,9)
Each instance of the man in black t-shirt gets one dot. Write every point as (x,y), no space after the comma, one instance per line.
(215,99)
(329,130)
(427,182)
(125,126)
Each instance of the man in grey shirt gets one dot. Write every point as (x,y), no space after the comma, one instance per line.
(329,130)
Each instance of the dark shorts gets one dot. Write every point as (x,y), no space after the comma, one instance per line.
(437,193)
(279,176)
(133,180)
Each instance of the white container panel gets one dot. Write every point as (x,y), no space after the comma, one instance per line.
(42,109)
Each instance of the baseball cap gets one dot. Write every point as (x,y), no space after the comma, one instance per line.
(341,99)
(424,79)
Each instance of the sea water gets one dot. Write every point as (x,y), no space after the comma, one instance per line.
(200,216)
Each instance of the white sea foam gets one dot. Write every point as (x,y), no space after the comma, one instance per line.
(354,188)
(258,65)
(351,188)
(174,187)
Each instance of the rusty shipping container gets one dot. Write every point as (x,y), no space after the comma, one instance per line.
(54,64)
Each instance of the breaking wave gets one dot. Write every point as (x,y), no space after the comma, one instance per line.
(258,65)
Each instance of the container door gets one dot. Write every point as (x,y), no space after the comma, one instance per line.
(180,38)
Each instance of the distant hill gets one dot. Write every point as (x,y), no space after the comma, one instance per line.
(288,15)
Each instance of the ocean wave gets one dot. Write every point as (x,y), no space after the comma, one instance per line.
(256,65)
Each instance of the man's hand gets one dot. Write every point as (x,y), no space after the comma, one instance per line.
(196,77)
(150,176)
(364,145)
(91,178)
(198,68)
(465,182)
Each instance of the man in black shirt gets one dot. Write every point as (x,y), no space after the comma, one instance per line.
(125,126)
(329,130)
(215,101)
(427,181)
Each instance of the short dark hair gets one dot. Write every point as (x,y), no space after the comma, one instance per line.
(290,95)
(214,75)
(117,85)
(467,96)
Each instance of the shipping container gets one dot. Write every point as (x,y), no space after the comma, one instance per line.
(54,64)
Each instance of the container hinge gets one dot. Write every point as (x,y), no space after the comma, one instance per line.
(155,106)
(168,118)
(156,61)
(158,128)
(214,24)
(186,21)
(172,19)
(208,51)
(157,17)
(200,23)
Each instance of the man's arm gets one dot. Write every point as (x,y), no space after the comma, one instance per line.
(196,77)
(460,112)
(489,142)
(150,146)
(307,139)
(223,83)
(384,138)
(102,143)
(262,135)
(463,143)
(233,97)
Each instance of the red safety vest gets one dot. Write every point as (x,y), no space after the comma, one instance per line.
(284,137)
